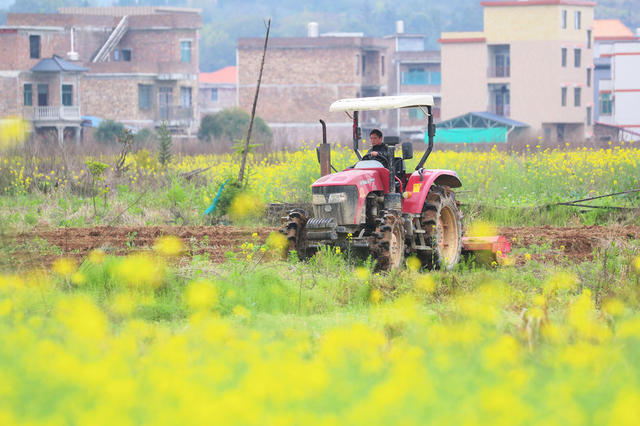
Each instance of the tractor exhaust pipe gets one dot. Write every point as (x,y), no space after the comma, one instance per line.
(324,152)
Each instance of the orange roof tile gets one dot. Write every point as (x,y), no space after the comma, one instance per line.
(226,75)
(611,29)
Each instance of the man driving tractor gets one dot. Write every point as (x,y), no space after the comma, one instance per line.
(378,150)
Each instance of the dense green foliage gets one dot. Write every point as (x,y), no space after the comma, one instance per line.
(231,125)
(109,131)
(166,143)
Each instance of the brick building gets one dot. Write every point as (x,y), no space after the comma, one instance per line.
(136,65)
(304,75)
(218,90)
(532,62)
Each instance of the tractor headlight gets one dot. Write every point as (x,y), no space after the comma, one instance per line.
(318,199)
(338,197)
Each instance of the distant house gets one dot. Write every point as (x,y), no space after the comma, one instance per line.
(218,90)
(137,65)
(304,75)
(616,80)
(531,63)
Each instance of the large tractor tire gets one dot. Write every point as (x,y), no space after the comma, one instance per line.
(390,247)
(293,227)
(442,221)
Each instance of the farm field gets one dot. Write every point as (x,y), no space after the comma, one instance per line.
(121,302)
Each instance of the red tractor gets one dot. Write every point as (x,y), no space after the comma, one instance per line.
(379,209)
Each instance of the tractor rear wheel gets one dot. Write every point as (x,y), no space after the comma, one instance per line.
(293,227)
(442,221)
(390,245)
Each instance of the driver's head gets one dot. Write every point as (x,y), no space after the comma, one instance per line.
(375,137)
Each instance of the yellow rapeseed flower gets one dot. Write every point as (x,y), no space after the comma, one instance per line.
(201,295)
(64,266)
(96,256)
(169,246)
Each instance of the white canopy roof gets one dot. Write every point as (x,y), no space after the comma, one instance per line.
(381,102)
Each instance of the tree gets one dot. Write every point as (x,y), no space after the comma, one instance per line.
(164,155)
(232,125)
(109,131)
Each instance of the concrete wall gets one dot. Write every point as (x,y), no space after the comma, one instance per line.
(535,22)
(464,78)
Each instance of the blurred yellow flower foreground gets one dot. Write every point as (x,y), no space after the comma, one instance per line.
(137,344)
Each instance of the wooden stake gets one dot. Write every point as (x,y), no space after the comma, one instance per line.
(253,109)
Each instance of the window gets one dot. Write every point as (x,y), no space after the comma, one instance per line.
(34,46)
(420,77)
(576,57)
(28,94)
(606,104)
(214,94)
(122,55)
(588,39)
(576,96)
(144,96)
(43,94)
(185,51)
(564,97)
(382,65)
(416,114)
(576,20)
(357,64)
(564,56)
(185,96)
(564,19)
(588,77)
(67,95)
(588,116)
(364,65)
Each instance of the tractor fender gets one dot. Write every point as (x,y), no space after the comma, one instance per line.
(418,187)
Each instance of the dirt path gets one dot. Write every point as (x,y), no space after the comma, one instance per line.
(41,246)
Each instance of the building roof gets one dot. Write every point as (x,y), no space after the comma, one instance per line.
(125,10)
(480,119)
(57,64)
(611,29)
(539,3)
(226,75)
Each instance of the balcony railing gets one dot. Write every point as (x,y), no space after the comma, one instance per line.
(53,113)
(503,110)
(172,114)
(421,78)
(497,72)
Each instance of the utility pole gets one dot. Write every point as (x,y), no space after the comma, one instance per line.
(253,109)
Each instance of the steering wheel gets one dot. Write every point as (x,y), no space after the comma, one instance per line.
(380,158)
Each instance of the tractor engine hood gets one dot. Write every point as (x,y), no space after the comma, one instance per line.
(342,195)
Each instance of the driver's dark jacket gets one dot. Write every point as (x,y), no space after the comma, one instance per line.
(381,149)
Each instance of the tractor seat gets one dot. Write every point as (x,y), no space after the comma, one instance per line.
(391,140)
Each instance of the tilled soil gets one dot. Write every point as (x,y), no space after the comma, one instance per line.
(40,246)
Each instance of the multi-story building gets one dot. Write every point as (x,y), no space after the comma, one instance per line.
(304,75)
(414,70)
(616,80)
(218,90)
(137,65)
(532,63)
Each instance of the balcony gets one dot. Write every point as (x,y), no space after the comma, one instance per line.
(421,78)
(174,115)
(52,113)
